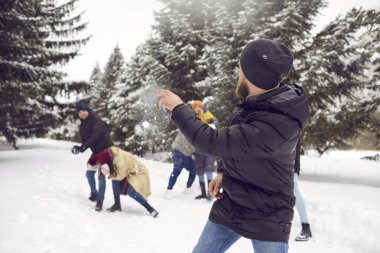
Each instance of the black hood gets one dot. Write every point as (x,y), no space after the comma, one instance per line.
(289,100)
(91,114)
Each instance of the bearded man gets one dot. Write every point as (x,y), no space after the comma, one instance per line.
(258,149)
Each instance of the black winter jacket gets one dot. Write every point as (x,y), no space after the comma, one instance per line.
(258,151)
(94,134)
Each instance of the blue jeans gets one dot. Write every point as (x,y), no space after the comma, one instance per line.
(116,187)
(209,176)
(217,238)
(300,203)
(181,161)
(90,175)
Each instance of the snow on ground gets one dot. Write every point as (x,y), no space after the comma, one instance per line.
(43,191)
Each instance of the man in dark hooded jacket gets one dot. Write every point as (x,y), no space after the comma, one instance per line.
(257,149)
(94,134)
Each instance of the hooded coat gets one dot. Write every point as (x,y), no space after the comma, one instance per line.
(94,133)
(127,166)
(258,153)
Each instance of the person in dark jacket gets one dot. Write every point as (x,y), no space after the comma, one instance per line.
(204,164)
(300,203)
(94,134)
(258,150)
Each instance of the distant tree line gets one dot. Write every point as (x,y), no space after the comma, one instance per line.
(194,51)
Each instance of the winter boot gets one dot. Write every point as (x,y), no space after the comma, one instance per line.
(93,196)
(203,192)
(151,210)
(116,206)
(99,205)
(305,233)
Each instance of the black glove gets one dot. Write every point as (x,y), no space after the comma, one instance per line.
(76,149)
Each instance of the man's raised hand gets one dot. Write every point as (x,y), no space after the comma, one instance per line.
(168,100)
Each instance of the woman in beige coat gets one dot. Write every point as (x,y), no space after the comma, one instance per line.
(129,177)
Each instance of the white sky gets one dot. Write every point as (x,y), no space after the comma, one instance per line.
(128,24)
(123,22)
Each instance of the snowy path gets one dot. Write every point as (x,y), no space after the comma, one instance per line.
(372,182)
(45,208)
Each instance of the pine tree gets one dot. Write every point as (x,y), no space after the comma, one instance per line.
(341,111)
(31,46)
(172,58)
(107,85)
(292,24)
(239,22)
(96,85)
(195,50)
(181,29)
(342,96)
(222,55)
(138,122)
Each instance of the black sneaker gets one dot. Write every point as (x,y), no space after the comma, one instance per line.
(207,197)
(93,196)
(114,208)
(154,213)
(305,233)
(99,206)
(303,237)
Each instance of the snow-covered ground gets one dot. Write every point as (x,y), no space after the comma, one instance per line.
(44,206)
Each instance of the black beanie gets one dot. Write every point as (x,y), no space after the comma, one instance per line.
(265,62)
(82,106)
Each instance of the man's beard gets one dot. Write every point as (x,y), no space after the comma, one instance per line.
(242,91)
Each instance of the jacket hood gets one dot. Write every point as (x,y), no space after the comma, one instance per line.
(90,115)
(289,100)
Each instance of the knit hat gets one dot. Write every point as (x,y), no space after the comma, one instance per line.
(82,106)
(265,62)
(196,103)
